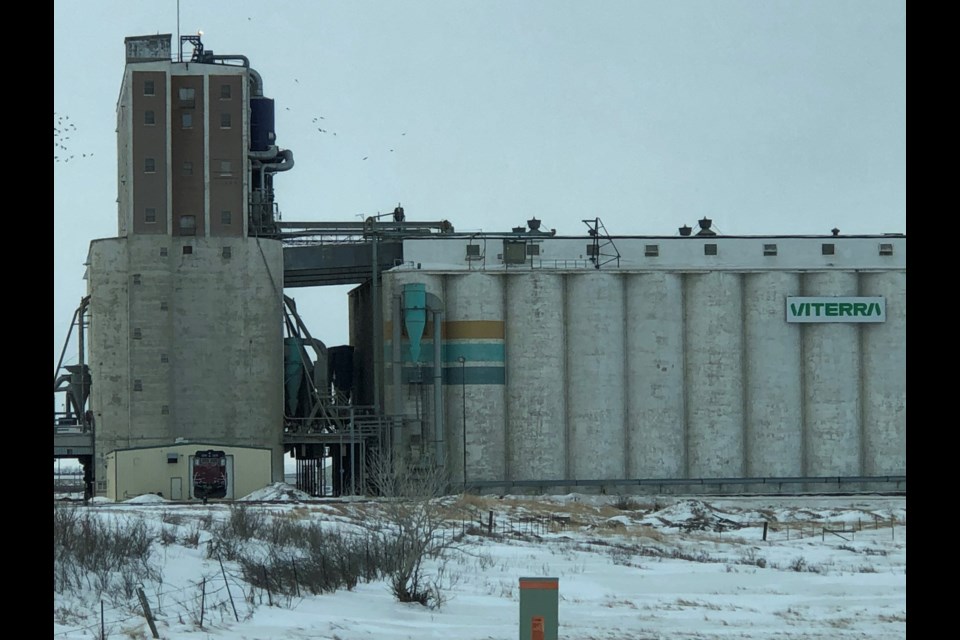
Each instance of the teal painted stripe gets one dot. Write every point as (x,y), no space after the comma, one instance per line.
(451,375)
(450,352)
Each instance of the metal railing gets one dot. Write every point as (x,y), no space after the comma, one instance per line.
(826,481)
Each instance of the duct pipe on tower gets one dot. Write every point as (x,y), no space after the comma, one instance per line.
(438,388)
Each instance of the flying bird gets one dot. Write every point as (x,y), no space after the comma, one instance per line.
(365,157)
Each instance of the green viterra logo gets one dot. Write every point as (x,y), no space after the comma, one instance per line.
(836,309)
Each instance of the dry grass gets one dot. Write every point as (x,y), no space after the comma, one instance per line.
(557,516)
(643,532)
(299,512)
(469,500)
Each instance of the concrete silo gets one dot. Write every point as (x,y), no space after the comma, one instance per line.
(656,439)
(473,354)
(536,365)
(884,348)
(713,345)
(772,377)
(831,384)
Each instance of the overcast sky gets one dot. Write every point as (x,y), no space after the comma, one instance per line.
(770,117)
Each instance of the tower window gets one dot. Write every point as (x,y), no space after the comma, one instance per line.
(163,305)
(138,385)
(769,249)
(224,92)
(709,249)
(226,168)
(226,252)
(187,97)
(188,168)
(886,249)
(149,118)
(187,249)
(188,226)
(136,278)
(186,120)
(827,249)
(137,334)
(148,88)
(226,217)
(163,252)
(164,358)
(651,250)
(224,120)
(150,215)
(149,165)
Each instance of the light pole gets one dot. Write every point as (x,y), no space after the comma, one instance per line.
(463,400)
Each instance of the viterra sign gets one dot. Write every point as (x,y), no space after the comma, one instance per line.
(836,309)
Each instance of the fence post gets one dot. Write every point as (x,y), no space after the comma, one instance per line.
(490,523)
(765,531)
(226,582)
(146,612)
(296,580)
(203,599)
(103,635)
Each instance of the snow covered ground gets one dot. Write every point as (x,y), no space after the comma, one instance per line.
(639,568)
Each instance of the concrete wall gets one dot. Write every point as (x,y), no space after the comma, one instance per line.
(617,374)
(209,356)
(134,472)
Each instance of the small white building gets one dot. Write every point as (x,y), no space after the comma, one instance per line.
(182,471)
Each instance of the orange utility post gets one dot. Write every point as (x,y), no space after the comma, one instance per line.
(539,605)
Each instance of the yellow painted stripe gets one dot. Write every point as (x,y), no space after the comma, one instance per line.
(457,330)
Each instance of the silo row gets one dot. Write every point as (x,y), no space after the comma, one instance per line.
(666,375)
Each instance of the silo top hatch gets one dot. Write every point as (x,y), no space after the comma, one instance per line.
(148,48)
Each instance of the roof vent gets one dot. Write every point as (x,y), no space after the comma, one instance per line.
(835,231)
(686,230)
(705,229)
(519,229)
(534,224)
